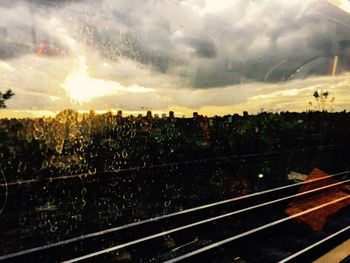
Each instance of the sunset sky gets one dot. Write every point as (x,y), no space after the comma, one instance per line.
(215,57)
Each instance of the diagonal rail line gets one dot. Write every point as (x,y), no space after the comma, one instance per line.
(155,219)
(200,223)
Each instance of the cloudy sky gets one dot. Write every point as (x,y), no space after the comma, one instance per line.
(212,56)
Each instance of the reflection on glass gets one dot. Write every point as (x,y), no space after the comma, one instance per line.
(163,131)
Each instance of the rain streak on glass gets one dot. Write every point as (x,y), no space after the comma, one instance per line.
(127,122)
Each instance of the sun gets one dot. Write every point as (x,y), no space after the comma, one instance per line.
(83,88)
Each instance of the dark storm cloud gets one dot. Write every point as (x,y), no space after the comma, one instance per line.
(204,48)
(241,42)
(262,37)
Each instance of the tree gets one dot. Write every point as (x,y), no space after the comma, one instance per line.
(5,96)
(323,101)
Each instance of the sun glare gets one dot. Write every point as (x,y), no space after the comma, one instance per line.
(342,4)
(82,88)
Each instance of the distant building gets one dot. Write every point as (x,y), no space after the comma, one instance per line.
(119,114)
(195,114)
(171,115)
(163,115)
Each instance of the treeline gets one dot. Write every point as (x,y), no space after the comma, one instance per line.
(74,143)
